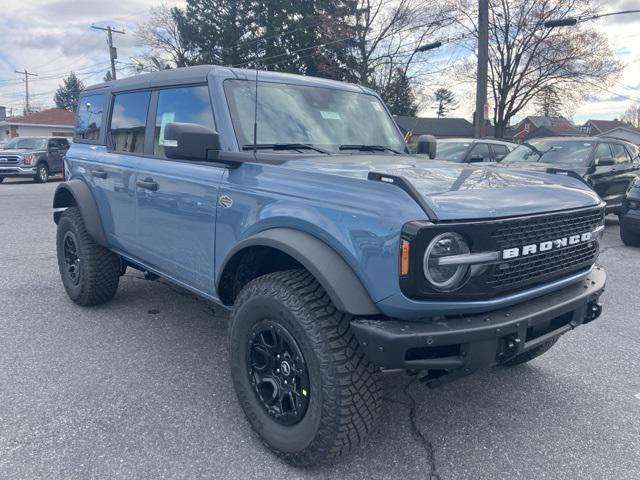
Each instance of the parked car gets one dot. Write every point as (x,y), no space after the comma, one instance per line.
(471,150)
(630,216)
(608,165)
(33,157)
(338,252)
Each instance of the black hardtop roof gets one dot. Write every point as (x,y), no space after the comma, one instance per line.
(199,74)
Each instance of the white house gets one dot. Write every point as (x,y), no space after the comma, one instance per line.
(53,122)
(627,133)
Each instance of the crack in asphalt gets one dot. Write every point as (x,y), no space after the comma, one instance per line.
(417,433)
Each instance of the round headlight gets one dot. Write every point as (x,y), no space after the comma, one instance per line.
(445,278)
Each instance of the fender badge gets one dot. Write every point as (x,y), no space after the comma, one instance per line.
(225,200)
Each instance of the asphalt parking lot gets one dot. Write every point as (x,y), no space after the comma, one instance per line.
(139,388)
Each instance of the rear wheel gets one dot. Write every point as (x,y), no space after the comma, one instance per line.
(530,354)
(629,238)
(299,373)
(42,173)
(90,273)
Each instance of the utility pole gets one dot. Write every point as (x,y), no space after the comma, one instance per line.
(26,87)
(113,51)
(483,67)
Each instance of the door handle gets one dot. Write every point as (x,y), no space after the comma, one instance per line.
(148,184)
(99,173)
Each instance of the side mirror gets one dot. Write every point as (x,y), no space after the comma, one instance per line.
(427,145)
(499,158)
(476,159)
(605,162)
(190,141)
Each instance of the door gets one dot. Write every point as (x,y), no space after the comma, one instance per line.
(54,157)
(624,172)
(600,178)
(176,200)
(112,175)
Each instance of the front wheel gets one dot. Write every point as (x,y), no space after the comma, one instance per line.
(90,273)
(42,173)
(298,371)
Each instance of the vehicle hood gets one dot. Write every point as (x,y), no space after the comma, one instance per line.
(20,151)
(465,191)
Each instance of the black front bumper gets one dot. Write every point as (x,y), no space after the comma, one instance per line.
(463,344)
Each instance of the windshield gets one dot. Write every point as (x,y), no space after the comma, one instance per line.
(322,117)
(27,143)
(562,153)
(452,151)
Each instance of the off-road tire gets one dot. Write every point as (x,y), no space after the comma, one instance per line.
(345,389)
(530,354)
(42,173)
(629,238)
(99,268)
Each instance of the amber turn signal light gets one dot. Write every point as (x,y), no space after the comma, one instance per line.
(404,257)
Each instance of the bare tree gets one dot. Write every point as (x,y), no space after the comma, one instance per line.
(525,58)
(632,115)
(161,37)
(387,34)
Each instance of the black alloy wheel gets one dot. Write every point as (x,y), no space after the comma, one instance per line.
(278,372)
(71,259)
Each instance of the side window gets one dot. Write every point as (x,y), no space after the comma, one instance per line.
(128,121)
(183,105)
(89,118)
(620,154)
(500,151)
(480,150)
(603,151)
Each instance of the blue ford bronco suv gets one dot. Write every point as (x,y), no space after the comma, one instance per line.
(294,202)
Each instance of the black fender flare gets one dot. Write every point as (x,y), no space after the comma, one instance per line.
(77,193)
(330,270)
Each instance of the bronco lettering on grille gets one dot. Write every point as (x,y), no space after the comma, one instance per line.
(542,247)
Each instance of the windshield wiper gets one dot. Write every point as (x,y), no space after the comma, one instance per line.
(284,146)
(370,148)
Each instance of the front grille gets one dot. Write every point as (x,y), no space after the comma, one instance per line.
(549,227)
(9,159)
(542,266)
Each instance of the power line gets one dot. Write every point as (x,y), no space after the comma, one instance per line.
(26,86)
(113,52)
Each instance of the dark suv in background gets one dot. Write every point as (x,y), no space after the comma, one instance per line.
(34,157)
(608,165)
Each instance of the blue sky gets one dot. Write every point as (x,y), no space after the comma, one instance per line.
(52,38)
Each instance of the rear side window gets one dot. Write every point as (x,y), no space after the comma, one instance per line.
(620,154)
(481,150)
(183,105)
(128,122)
(500,151)
(89,118)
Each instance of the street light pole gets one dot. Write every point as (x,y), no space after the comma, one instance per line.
(483,67)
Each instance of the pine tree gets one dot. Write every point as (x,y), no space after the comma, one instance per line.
(399,96)
(68,93)
(445,101)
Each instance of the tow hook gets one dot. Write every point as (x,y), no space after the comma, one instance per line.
(508,347)
(594,309)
